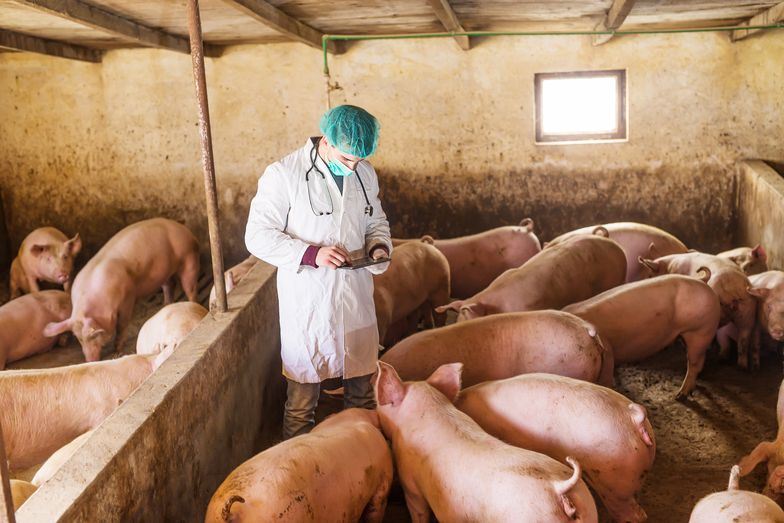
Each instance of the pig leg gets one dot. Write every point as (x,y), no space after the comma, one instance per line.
(124,316)
(415,501)
(32,284)
(189,276)
(697,344)
(623,509)
(744,340)
(761,452)
(168,291)
(724,336)
(374,511)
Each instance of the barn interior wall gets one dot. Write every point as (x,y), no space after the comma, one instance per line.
(93,147)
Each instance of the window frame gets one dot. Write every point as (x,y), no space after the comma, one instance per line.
(621,135)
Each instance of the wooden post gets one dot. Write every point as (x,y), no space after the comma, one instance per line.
(197,57)
(6,503)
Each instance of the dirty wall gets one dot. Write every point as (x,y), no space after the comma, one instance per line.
(94,147)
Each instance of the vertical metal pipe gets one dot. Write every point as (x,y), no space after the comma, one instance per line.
(197,57)
(6,503)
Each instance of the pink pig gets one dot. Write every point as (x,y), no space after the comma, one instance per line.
(639,319)
(571,271)
(505,345)
(449,465)
(168,327)
(337,473)
(233,276)
(636,239)
(46,254)
(736,506)
(134,263)
(22,323)
(608,434)
(751,260)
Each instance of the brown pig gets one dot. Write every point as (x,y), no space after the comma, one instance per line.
(636,239)
(641,318)
(476,260)
(571,271)
(42,410)
(168,327)
(22,323)
(773,453)
(449,465)
(505,345)
(46,254)
(751,260)
(233,277)
(340,472)
(730,285)
(134,263)
(736,506)
(418,276)
(608,434)
(20,491)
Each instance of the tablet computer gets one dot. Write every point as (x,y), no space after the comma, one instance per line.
(358,263)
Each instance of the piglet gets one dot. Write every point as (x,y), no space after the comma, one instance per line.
(340,472)
(449,465)
(168,327)
(505,345)
(233,276)
(751,260)
(736,506)
(46,254)
(22,323)
(606,432)
(134,263)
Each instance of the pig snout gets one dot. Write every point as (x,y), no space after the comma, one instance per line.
(777,333)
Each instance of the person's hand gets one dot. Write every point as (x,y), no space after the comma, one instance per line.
(378,253)
(332,257)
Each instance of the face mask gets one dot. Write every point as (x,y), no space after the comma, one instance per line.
(338,169)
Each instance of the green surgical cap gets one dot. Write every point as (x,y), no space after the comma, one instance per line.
(351,129)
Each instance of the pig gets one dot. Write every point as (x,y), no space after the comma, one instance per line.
(20,491)
(42,410)
(46,254)
(22,322)
(417,277)
(133,264)
(58,459)
(339,472)
(233,277)
(730,285)
(736,506)
(768,288)
(476,260)
(773,453)
(449,465)
(168,327)
(751,260)
(607,433)
(636,239)
(674,307)
(571,271)
(505,345)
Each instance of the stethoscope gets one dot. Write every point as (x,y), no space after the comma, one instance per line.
(313,153)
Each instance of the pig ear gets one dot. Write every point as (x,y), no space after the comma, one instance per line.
(527,224)
(652,251)
(758,292)
(759,252)
(446,379)
(389,387)
(38,250)
(74,245)
(649,264)
(455,306)
(55,329)
(230,282)
(470,311)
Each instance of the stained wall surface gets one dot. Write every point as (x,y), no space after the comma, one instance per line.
(94,147)
(761,210)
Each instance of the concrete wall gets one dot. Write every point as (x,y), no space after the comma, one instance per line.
(160,456)
(761,210)
(93,147)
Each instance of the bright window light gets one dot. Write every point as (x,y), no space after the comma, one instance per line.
(581,106)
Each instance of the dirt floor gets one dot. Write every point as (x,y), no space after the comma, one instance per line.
(697,440)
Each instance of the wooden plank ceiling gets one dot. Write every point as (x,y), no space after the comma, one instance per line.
(109,24)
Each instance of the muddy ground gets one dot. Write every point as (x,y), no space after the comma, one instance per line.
(697,440)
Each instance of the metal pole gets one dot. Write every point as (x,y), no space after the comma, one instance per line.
(6,503)
(197,57)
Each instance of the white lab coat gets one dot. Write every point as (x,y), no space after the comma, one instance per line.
(327,317)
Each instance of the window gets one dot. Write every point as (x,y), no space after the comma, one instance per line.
(582,106)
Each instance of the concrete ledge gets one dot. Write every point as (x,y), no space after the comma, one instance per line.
(211,405)
(760,209)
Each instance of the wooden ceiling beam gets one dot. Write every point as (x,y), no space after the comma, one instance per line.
(616,15)
(771,16)
(276,19)
(446,15)
(88,15)
(22,42)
